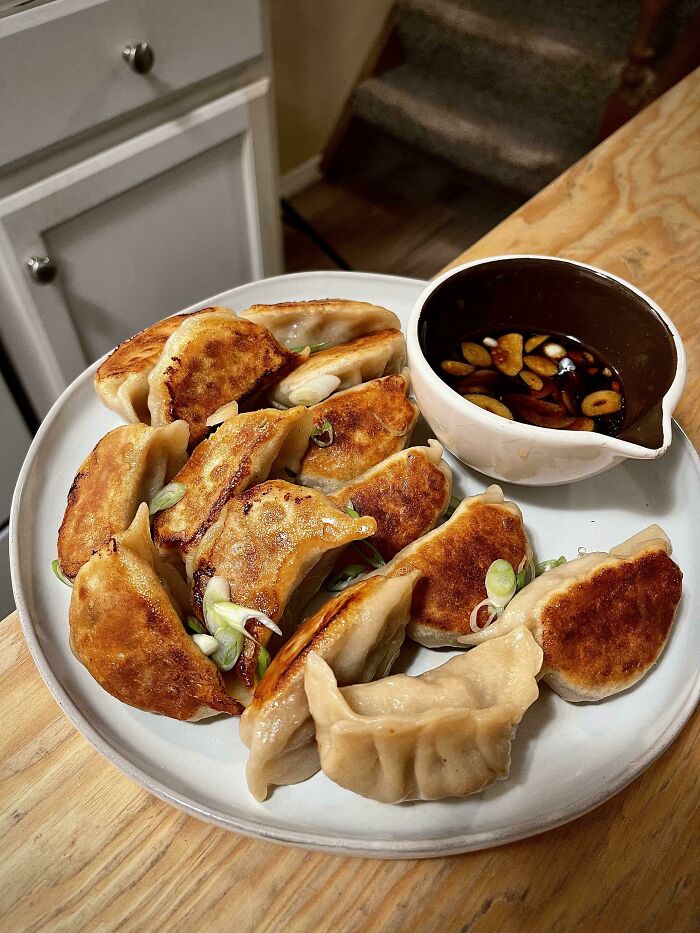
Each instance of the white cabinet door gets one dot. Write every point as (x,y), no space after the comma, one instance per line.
(135,233)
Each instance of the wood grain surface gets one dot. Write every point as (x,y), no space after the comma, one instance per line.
(85,848)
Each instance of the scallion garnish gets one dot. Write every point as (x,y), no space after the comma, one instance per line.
(230,646)
(263,662)
(323,436)
(350,509)
(167,497)
(206,643)
(546,565)
(194,625)
(56,567)
(455,502)
(312,347)
(581,552)
(373,558)
(341,580)
(501,583)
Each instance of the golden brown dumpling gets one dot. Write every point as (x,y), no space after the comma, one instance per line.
(122,380)
(602,619)
(126,630)
(127,467)
(342,367)
(213,358)
(454,559)
(322,323)
(406,494)
(243,452)
(359,634)
(274,545)
(369,423)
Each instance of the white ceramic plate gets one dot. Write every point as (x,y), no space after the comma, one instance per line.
(567,758)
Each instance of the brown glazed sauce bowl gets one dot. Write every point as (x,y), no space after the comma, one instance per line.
(542,294)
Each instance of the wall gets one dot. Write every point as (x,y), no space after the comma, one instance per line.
(319,47)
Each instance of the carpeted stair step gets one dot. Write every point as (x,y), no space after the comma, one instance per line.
(563,70)
(473,129)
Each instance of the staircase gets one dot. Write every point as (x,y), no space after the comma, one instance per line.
(511,90)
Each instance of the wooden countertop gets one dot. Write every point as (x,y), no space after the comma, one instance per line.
(84,847)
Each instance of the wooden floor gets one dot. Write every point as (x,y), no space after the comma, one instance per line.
(394,211)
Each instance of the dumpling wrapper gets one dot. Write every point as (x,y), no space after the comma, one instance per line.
(406,494)
(126,630)
(602,619)
(213,358)
(274,544)
(360,360)
(122,380)
(370,422)
(327,322)
(128,466)
(243,452)
(359,634)
(446,733)
(454,559)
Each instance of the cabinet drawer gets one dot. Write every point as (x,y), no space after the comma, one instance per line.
(62,70)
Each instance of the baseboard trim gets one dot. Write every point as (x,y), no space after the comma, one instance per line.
(301,176)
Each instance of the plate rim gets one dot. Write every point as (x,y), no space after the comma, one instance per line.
(370,848)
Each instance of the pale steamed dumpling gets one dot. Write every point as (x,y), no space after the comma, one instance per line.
(446,733)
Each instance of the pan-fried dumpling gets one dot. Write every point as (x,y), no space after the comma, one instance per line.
(602,619)
(359,634)
(126,630)
(446,733)
(127,467)
(407,495)
(213,358)
(274,545)
(122,380)
(368,423)
(454,559)
(324,323)
(342,367)
(243,452)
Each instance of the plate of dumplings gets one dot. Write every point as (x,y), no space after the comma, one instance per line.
(258,586)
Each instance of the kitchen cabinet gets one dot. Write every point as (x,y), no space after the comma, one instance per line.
(173,200)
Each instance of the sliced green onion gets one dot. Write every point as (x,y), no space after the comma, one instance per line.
(315,390)
(581,552)
(263,662)
(312,347)
(373,558)
(167,497)
(56,567)
(194,625)
(230,647)
(520,580)
(352,512)
(237,616)
(501,583)
(317,435)
(206,643)
(229,410)
(341,580)
(546,565)
(455,502)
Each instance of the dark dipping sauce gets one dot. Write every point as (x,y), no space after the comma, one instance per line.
(548,380)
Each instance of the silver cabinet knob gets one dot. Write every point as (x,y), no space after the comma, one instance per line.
(41,269)
(140,57)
